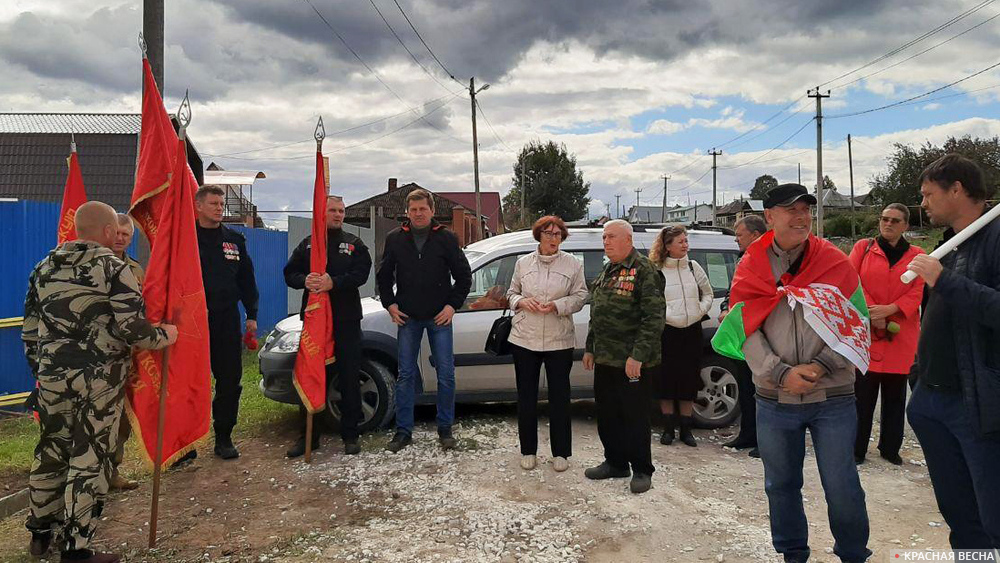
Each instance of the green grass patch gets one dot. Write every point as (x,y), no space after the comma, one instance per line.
(18,436)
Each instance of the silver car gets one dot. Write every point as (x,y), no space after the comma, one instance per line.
(481,377)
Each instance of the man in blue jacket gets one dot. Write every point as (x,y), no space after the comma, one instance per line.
(421,258)
(955,406)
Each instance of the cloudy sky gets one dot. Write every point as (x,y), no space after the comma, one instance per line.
(635,89)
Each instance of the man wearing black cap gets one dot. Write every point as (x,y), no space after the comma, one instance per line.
(804,375)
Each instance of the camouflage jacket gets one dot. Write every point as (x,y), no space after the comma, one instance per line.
(626,313)
(83,309)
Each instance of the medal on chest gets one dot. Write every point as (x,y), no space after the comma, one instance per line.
(231,251)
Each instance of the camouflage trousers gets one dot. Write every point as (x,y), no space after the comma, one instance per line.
(79,412)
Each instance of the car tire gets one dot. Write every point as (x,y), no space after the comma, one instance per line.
(378,398)
(718,402)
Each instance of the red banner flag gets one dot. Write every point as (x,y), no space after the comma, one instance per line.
(73,197)
(316,342)
(174,292)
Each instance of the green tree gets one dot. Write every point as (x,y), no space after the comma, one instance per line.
(900,182)
(762,185)
(553,185)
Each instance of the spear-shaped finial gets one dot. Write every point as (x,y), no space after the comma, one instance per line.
(72,142)
(142,45)
(320,134)
(184,115)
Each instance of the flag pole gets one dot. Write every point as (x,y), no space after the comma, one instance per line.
(183,118)
(319,134)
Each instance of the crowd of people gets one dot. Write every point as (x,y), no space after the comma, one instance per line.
(644,345)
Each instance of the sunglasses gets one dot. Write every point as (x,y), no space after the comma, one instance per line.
(893,220)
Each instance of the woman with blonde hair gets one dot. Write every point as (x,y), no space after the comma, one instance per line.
(689,295)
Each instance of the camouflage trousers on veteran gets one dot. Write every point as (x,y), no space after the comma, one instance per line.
(79,414)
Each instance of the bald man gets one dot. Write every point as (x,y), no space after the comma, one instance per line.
(82,315)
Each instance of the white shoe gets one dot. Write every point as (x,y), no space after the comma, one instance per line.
(527,462)
(560,464)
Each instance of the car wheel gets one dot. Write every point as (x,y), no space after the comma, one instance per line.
(378,393)
(717,404)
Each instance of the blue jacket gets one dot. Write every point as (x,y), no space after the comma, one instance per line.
(970,283)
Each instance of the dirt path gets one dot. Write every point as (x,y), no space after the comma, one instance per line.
(476,504)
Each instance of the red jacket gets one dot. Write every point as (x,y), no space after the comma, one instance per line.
(890,353)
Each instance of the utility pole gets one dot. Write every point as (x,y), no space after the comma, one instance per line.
(637,192)
(850,165)
(524,220)
(715,168)
(819,156)
(475,155)
(800,173)
(663,213)
(618,205)
(152,33)
(609,210)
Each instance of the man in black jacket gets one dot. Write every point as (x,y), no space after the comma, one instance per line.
(348,265)
(955,407)
(422,258)
(228,275)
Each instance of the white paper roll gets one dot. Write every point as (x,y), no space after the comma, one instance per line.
(959,238)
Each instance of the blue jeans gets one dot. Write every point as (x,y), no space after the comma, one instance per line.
(963,467)
(781,438)
(441,338)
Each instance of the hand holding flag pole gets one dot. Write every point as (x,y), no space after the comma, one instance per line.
(183,118)
(959,238)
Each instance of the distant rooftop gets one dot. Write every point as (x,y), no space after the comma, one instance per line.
(80,123)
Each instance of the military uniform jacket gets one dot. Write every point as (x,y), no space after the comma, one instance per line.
(226,270)
(348,263)
(83,311)
(626,313)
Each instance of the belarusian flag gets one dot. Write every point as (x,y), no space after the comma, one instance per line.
(825,285)
(316,341)
(73,197)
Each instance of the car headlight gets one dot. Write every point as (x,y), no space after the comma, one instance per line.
(287,342)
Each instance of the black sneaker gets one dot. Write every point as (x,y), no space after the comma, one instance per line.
(399,441)
(185,459)
(740,443)
(859,459)
(298,449)
(754,452)
(606,471)
(892,458)
(445,438)
(40,544)
(225,449)
(352,447)
(640,483)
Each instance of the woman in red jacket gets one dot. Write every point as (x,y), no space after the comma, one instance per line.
(895,316)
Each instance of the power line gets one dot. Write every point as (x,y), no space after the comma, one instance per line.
(370,69)
(912,42)
(763,123)
(911,57)
(341,149)
(901,102)
(775,128)
(490,125)
(426,46)
(776,147)
(412,56)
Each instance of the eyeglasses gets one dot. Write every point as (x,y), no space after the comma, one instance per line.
(893,220)
(552,234)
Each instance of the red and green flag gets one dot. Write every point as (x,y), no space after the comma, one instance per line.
(825,286)
(316,341)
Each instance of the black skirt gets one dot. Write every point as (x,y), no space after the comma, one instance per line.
(680,366)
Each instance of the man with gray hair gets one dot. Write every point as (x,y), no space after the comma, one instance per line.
(748,229)
(623,343)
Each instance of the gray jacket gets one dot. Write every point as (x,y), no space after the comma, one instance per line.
(785,340)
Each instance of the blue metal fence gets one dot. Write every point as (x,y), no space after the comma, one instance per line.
(28,232)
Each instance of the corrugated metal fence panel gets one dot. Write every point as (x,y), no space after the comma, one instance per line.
(269,253)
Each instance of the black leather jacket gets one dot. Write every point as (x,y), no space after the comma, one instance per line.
(970,284)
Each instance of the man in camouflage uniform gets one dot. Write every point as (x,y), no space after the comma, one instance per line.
(83,313)
(123,238)
(623,344)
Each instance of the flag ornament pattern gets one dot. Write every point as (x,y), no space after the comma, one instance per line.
(821,286)
(74,196)
(316,341)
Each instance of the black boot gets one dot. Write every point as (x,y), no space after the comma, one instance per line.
(224,447)
(667,437)
(686,436)
(298,449)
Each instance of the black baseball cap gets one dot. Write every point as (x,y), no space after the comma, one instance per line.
(787,194)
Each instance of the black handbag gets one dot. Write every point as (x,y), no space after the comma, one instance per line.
(498,341)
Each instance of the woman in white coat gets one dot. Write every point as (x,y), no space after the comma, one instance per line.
(547,287)
(689,295)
